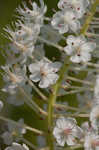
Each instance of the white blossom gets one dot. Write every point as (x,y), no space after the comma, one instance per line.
(45,72)
(16,97)
(79,49)
(79,6)
(13,79)
(91,141)
(23,38)
(66,130)
(35,15)
(14,133)
(65,20)
(16,146)
(85,126)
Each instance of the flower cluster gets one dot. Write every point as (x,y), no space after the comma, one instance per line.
(67,18)
(33,70)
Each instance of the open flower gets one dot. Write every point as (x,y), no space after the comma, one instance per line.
(79,49)
(79,6)
(23,38)
(16,146)
(65,20)
(14,78)
(35,15)
(14,132)
(66,130)
(91,141)
(45,72)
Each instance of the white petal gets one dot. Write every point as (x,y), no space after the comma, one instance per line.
(77,132)
(75,59)
(33,68)
(85,57)
(55,66)
(61,123)
(57,132)
(71,39)
(68,49)
(61,141)
(35,77)
(75,25)
(52,77)
(7,137)
(88,46)
(44,83)
(70,140)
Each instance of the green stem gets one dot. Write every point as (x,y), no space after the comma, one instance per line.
(38,132)
(56,87)
(33,105)
(29,144)
(52,100)
(89,18)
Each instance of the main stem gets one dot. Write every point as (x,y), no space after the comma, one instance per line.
(52,100)
(56,87)
(89,18)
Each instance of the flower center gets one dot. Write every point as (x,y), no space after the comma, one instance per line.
(67,131)
(43,73)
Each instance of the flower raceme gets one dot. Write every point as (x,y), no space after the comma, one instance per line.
(28,36)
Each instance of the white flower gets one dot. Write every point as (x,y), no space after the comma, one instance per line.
(16,97)
(45,72)
(23,38)
(94,117)
(85,126)
(79,6)
(16,146)
(79,49)
(14,132)
(35,15)
(65,20)
(13,79)
(66,130)
(91,141)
